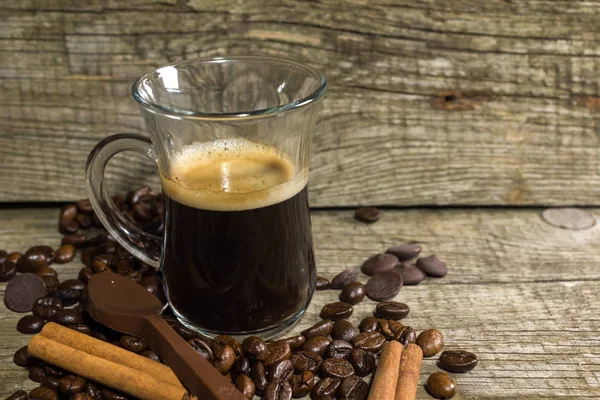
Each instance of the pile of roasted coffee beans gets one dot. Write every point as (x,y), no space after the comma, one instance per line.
(326,361)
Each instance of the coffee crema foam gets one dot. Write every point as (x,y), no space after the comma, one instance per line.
(232,175)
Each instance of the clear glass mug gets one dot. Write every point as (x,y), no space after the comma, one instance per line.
(232,139)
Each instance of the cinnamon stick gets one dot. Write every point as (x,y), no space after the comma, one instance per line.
(386,375)
(107,351)
(125,379)
(410,368)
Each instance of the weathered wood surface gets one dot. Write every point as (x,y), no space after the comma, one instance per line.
(431,102)
(521,293)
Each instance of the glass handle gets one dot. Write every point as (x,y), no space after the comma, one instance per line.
(142,245)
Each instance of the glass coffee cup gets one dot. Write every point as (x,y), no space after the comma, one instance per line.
(232,139)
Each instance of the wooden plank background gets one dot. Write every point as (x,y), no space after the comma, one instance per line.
(440,102)
(521,294)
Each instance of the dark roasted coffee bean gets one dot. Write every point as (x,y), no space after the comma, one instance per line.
(278,390)
(68,212)
(69,291)
(81,328)
(134,196)
(77,239)
(18,395)
(276,351)
(93,391)
(224,358)
(31,263)
(430,341)
(30,324)
(67,227)
(384,328)
(353,293)
(8,270)
(82,396)
(202,347)
(258,375)
(432,266)
(322,283)
(65,254)
(338,349)
(151,355)
(302,384)
(336,311)
(14,256)
(22,358)
(245,385)
(379,263)
(43,393)
(405,335)
(102,263)
(457,361)
(367,214)
(411,275)
(321,328)
(369,324)
(306,361)
(282,370)
(99,240)
(255,348)
(384,285)
(54,371)
(85,221)
(46,252)
(391,310)
(108,394)
(343,330)
(87,257)
(337,368)
(100,336)
(50,382)
(230,341)
(405,252)
(362,361)
(71,384)
(69,317)
(36,374)
(51,283)
(369,341)
(326,386)
(183,331)
(317,344)
(441,386)
(153,285)
(108,247)
(135,276)
(47,307)
(22,291)
(343,278)
(46,271)
(353,388)
(85,206)
(125,265)
(132,343)
(295,342)
(241,366)
(3,256)
(85,274)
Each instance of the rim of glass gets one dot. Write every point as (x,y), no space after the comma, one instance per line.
(155,107)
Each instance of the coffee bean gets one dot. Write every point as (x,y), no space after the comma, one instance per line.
(245,385)
(18,395)
(54,371)
(405,252)
(343,278)
(391,310)
(302,384)
(151,355)
(203,348)
(22,358)
(85,274)
(295,342)
(353,388)
(81,328)
(282,370)
(278,390)
(457,361)
(384,285)
(343,330)
(135,276)
(68,212)
(337,368)
(102,263)
(327,386)
(379,263)
(31,263)
(336,311)
(277,351)
(69,291)
(321,328)
(85,221)
(69,317)
(384,328)
(36,374)
(46,271)
(369,324)
(362,361)
(50,382)
(76,239)
(82,396)
(255,348)
(71,384)
(154,285)
(432,266)
(224,358)
(8,270)
(317,344)
(108,394)
(322,283)
(14,256)
(134,196)
(65,254)
(430,341)
(405,335)
(353,293)
(411,275)
(46,252)
(3,256)
(240,366)
(85,206)
(183,331)
(67,227)
(30,324)
(22,291)
(369,341)
(338,349)
(93,391)
(259,377)
(306,361)
(43,393)
(441,386)
(367,214)
(132,343)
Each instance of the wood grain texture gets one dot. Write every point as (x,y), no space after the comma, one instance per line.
(431,102)
(521,294)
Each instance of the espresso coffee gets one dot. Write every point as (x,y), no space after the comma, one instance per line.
(238,255)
